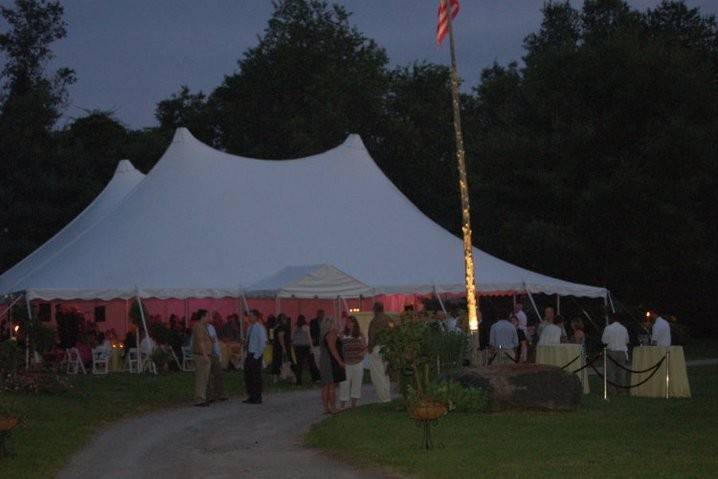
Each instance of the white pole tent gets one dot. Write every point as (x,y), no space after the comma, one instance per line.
(204,221)
(124,180)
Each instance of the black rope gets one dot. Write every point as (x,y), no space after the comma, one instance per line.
(631,370)
(515,360)
(572,361)
(492,359)
(588,363)
(655,370)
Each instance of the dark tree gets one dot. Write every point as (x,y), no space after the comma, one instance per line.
(30,103)
(189,110)
(603,146)
(311,80)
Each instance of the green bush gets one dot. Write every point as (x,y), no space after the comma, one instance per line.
(162,359)
(160,333)
(44,338)
(424,348)
(451,394)
(463,399)
(10,355)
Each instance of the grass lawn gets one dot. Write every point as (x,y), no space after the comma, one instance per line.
(55,426)
(701,348)
(626,437)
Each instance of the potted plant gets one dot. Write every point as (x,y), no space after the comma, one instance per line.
(7,424)
(405,349)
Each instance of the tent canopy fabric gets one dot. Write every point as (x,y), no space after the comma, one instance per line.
(204,223)
(125,178)
(321,281)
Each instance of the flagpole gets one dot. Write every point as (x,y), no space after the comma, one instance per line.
(463,189)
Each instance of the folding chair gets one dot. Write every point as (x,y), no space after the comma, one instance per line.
(187,359)
(148,364)
(74,362)
(100,361)
(177,361)
(132,361)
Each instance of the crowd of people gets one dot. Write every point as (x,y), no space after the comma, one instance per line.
(333,351)
(512,335)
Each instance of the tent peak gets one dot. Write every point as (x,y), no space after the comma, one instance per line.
(354,141)
(182,135)
(124,166)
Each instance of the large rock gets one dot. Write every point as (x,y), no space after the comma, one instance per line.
(523,386)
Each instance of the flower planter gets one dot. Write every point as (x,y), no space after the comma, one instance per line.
(7,423)
(427,411)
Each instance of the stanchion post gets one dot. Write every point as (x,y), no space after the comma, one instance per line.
(605,374)
(668,374)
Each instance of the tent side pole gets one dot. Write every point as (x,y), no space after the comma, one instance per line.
(558,304)
(533,303)
(441,303)
(147,333)
(605,309)
(27,333)
(7,310)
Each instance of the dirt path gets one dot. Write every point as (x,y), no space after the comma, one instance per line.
(229,439)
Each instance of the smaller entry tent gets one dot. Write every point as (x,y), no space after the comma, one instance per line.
(321,281)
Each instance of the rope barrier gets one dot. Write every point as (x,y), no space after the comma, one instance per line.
(631,370)
(515,360)
(572,361)
(492,359)
(588,363)
(655,370)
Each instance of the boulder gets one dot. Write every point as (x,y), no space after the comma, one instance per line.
(523,386)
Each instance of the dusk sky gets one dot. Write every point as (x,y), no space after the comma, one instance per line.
(130,54)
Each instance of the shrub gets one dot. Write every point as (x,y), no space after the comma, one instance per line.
(162,359)
(10,355)
(68,328)
(451,394)
(161,333)
(423,347)
(35,383)
(44,338)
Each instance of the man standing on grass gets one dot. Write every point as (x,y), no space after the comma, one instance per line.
(201,350)
(615,337)
(377,367)
(256,342)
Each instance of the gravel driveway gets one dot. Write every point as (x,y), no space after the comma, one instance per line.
(229,439)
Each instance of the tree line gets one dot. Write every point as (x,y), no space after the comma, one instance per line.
(591,158)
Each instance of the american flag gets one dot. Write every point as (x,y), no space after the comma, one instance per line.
(442,25)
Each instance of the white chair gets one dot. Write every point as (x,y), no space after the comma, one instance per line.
(100,361)
(132,361)
(176,360)
(148,364)
(187,359)
(74,362)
